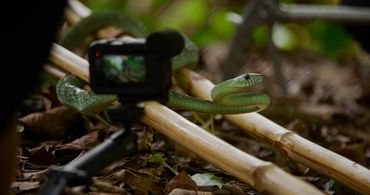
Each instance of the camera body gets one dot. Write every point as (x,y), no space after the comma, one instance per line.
(134,69)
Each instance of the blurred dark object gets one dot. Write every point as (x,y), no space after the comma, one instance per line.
(360,32)
(30,28)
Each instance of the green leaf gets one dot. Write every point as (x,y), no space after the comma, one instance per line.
(328,185)
(107,4)
(260,35)
(221,26)
(184,15)
(332,38)
(207,179)
(156,158)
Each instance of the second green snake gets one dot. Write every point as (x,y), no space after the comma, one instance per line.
(227,96)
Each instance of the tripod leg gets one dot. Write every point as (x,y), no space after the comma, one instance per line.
(117,146)
(80,170)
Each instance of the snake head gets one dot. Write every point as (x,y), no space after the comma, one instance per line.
(250,79)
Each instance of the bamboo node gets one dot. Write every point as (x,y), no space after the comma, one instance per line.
(282,142)
(259,176)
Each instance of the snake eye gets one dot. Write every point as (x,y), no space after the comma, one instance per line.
(246,76)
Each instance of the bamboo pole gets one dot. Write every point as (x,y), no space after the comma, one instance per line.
(80,9)
(287,142)
(53,71)
(70,62)
(71,17)
(263,176)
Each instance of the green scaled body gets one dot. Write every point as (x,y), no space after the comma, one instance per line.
(227,97)
(186,102)
(69,93)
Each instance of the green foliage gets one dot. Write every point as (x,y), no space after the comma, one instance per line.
(205,22)
(184,15)
(105,4)
(207,179)
(260,36)
(158,158)
(326,38)
(330,38)
(217,28)
(201,179)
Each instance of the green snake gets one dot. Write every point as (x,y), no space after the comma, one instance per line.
(227,96)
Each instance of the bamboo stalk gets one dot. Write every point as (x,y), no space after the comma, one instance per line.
(287,142)
(53,71)
(69,61)
(71,17)
(80,9)
(259,174)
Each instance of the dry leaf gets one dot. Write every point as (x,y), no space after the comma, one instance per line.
(26,185)
(107,186)
(42,157)
(66,152)
(178,191)
(182,180)
(87,141)
(38,175)
(143,182)
(51,124)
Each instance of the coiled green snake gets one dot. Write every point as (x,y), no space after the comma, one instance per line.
(227,96)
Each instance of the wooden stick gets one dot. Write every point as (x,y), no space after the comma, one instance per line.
(260,175)
(287,142)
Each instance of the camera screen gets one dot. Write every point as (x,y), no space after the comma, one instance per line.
(123,69)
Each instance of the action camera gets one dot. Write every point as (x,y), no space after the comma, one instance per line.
(134,69)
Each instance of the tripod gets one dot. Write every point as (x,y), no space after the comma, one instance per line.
(79,171)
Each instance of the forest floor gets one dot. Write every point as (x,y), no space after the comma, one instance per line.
(328,102)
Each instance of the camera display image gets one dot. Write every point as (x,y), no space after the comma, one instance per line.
(123,69)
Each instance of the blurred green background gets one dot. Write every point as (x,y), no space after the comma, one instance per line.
(206,22)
